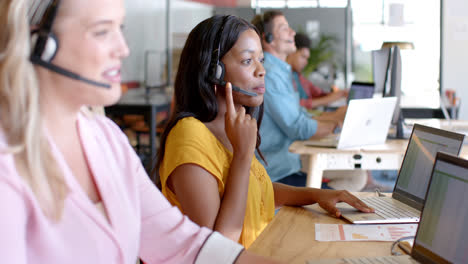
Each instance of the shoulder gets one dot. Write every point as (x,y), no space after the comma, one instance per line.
(191,142)
(276,81)
(100,121)
(190,130)
(101,126)
(103,136)
(189,123)
(272,70)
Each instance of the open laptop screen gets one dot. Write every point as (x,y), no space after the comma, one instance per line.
(416,168)
(361,90)
(442,236)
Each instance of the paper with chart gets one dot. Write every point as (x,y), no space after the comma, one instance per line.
(334,232)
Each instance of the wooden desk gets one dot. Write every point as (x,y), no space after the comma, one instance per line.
(382,157)
(290,237)
(139,102)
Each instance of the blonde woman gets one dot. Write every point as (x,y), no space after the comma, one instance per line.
(71,188)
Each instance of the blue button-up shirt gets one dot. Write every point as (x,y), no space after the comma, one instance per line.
(284,120)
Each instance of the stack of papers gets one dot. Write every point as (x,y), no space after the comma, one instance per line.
(334,232)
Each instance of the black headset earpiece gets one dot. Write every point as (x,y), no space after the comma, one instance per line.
(219,73)
(268,37)
(45,46)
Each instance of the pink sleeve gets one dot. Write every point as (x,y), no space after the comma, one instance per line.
(310,89)
(13,221)
(307,103)
(166,234)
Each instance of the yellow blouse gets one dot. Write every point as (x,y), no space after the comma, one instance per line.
(190,141)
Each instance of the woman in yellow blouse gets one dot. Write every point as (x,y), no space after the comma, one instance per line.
(206,160)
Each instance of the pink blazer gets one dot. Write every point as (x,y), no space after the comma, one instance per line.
(142,222)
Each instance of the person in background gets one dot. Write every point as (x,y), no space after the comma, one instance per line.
(285,120)
(72,190)
(311,95)
(206,161)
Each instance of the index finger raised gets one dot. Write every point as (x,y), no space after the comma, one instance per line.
(231,110)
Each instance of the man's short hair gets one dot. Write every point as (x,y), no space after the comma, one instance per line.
(264,23)
(302,41)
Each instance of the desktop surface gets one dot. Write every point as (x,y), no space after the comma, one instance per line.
(290,237)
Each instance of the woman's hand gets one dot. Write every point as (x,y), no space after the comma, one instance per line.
(328,199)
(241,128)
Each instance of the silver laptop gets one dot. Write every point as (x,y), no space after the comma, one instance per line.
(410,189)
(366,123)
(442,235)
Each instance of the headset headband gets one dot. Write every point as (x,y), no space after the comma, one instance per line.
(45,26)
(218,39)
(49,16)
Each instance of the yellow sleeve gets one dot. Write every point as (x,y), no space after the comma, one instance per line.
(191,142)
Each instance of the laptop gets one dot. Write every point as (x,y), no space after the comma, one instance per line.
(361,90)
(442,235)
(410,189)
(366,123)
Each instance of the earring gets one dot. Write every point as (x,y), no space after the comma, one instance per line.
(215,87)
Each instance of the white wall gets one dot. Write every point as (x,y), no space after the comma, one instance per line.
(145,29)
(184,17)
(455,50)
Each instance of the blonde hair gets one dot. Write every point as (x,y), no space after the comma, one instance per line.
(20,113)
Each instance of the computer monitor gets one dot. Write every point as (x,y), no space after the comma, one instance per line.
(387,79)
(380,65)
(415,171)
(442,236)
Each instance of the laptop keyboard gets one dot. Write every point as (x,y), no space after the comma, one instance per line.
(388,209)
(372,260)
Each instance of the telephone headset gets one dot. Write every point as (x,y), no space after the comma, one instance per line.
(217,68)
(45,46)
(268,35)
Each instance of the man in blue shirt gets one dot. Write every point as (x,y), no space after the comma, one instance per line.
(284,120)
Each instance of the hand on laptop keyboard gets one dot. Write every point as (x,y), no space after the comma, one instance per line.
(329,198)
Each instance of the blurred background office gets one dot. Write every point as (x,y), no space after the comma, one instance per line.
(350,28)
(432,36)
